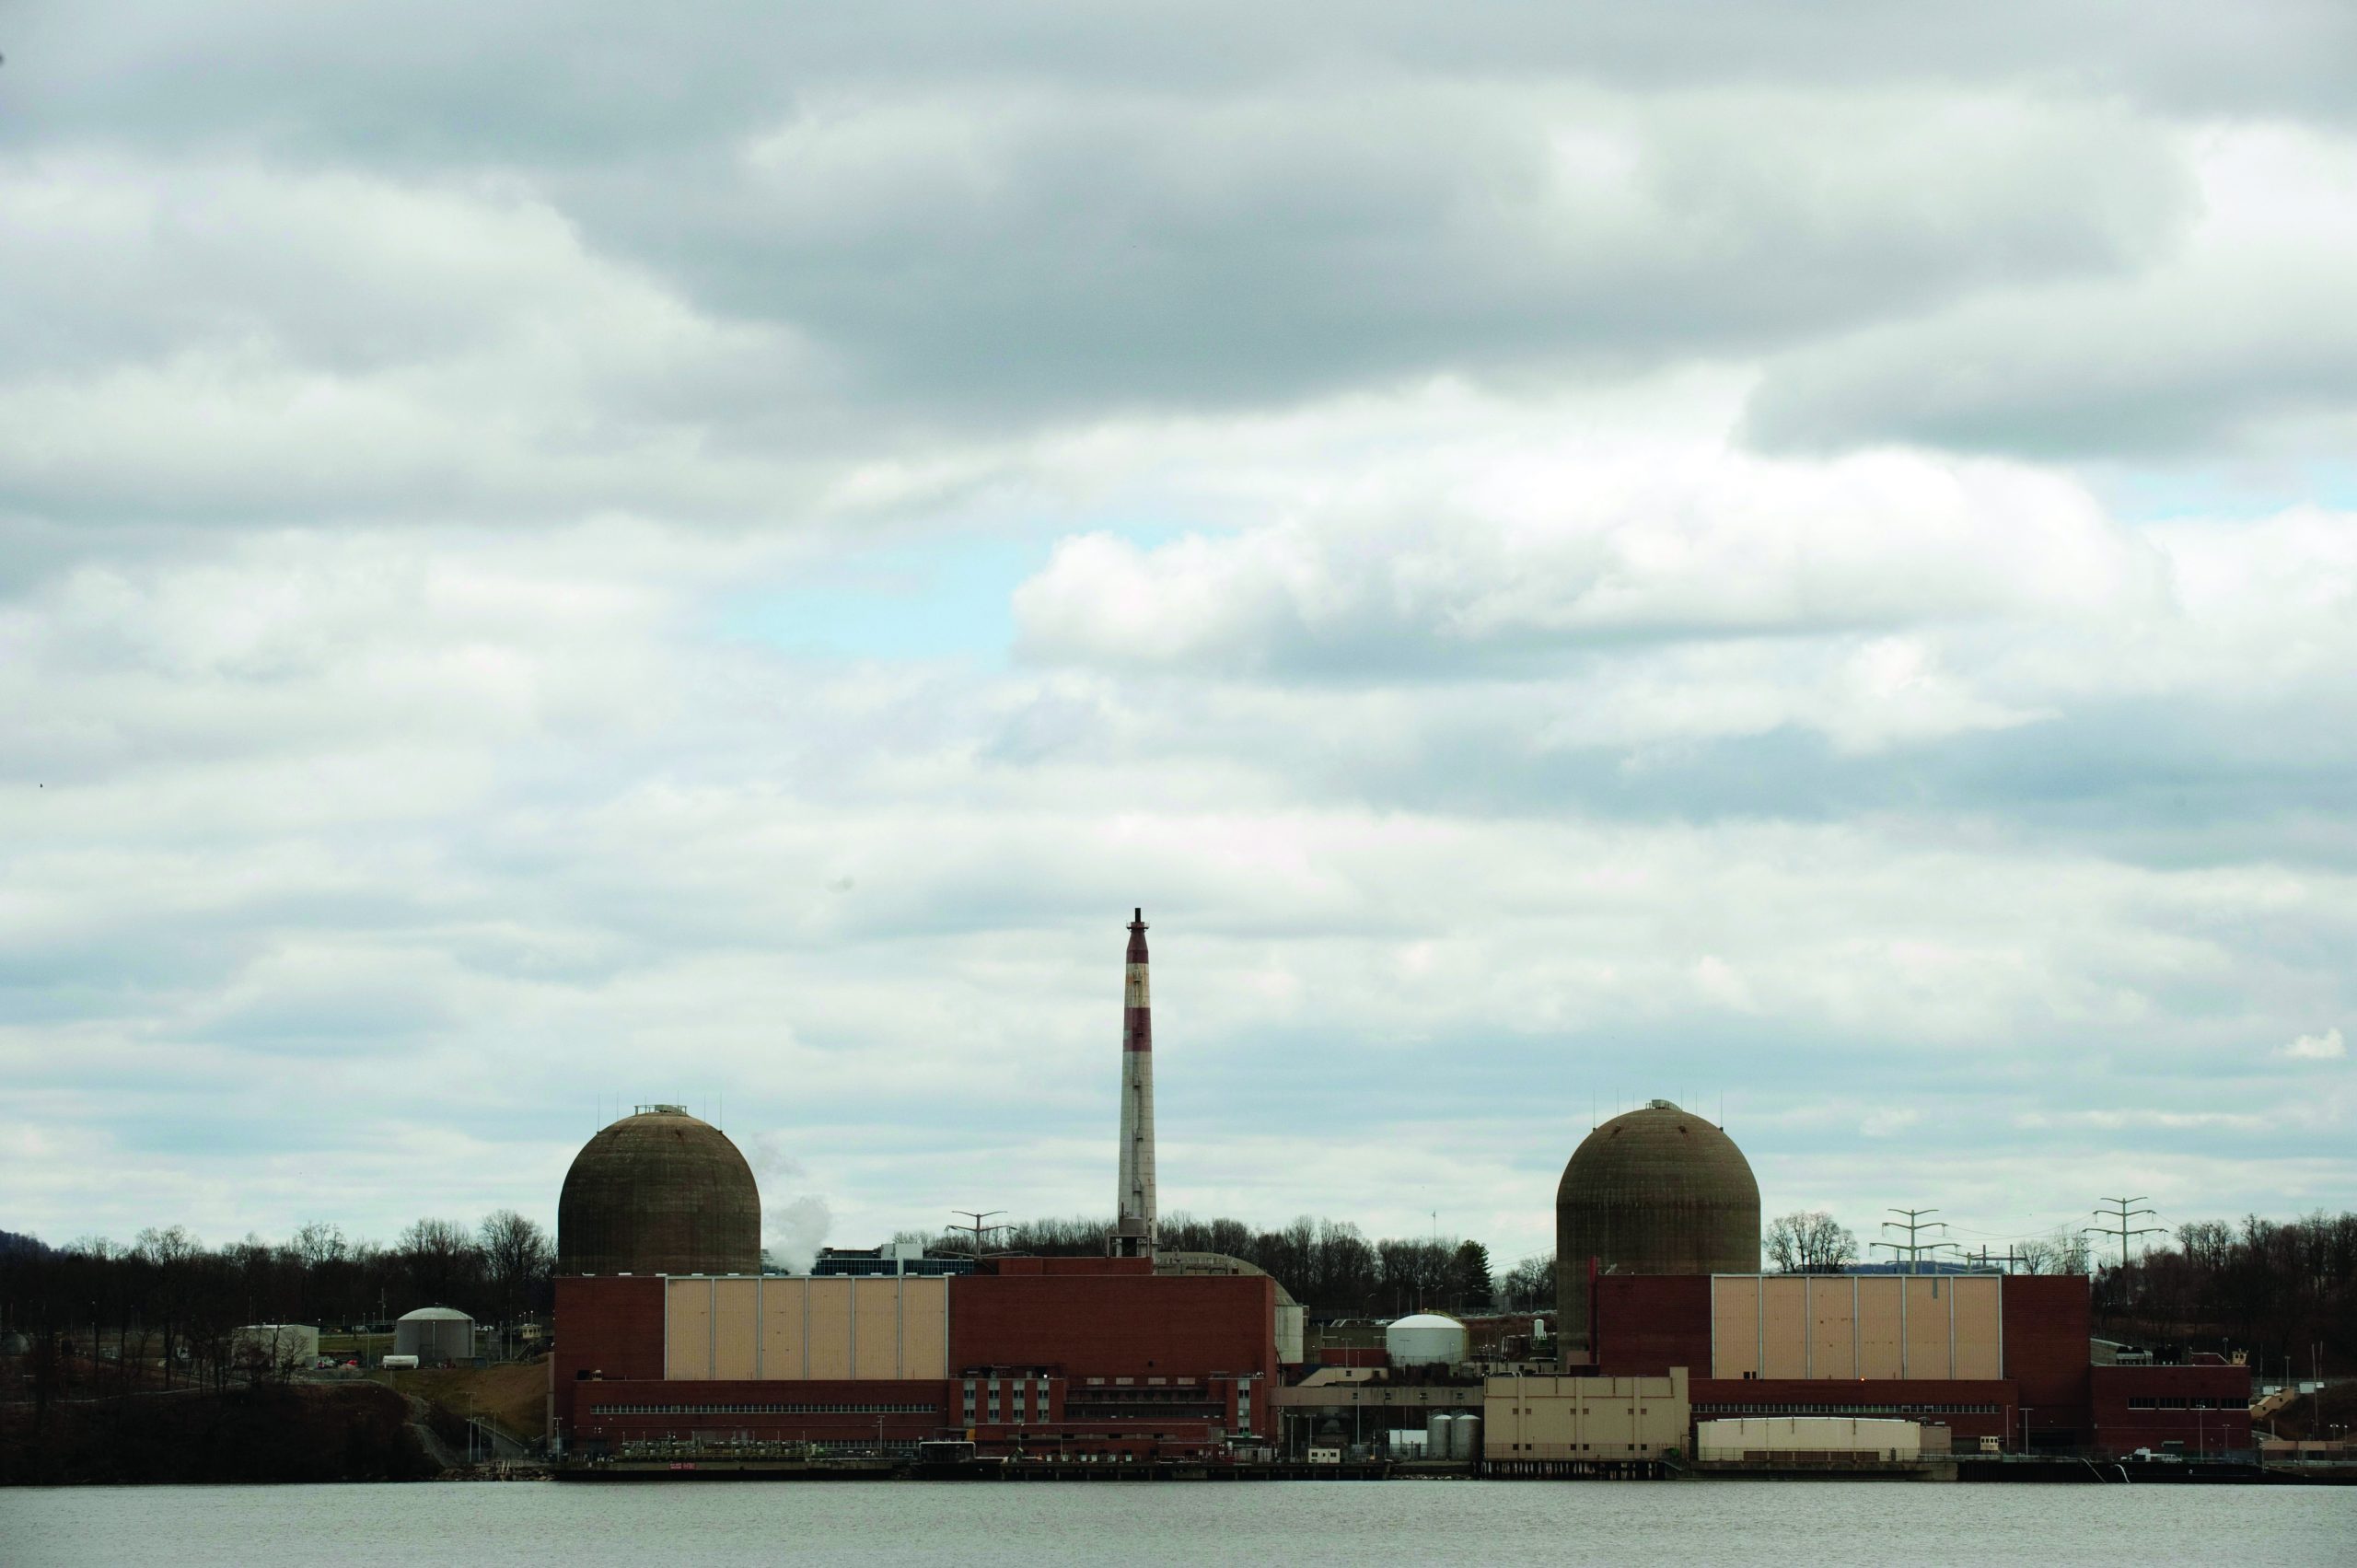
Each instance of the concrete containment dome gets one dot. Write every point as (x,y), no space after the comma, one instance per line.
(659,1192)
(1658,1190)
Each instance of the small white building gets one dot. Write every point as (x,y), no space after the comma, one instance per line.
(274,1347)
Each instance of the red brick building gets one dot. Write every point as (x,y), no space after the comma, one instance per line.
(2004,1358)
(2204,1406)
(1049,1355)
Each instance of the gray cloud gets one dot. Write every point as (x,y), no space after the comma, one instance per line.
(2236,337)
(399,412)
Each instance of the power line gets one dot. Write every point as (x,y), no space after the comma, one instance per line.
(978,1229)
(2123,1230)
(1912,1224)
(2008,1259)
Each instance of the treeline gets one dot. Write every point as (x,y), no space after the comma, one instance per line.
(168,1295)
(1330,1266)
(2278,1290)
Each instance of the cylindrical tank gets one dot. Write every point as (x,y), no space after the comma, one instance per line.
(1656,1191)
(1465,1438)
(1425,1339)
(659,1192)
(1436,1433)
(434,1335)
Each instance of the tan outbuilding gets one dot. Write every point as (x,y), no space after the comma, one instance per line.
(1769,1439)
(1585,1418)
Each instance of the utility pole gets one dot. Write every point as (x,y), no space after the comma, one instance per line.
(2008,1259)
(978,1229)
(1912,1222)
(2117,1209)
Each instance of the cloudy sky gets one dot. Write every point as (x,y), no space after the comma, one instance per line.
(554,557)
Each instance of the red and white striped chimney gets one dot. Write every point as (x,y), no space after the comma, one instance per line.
(1133,1224)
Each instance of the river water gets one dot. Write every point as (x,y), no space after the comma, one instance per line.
(1283,1525)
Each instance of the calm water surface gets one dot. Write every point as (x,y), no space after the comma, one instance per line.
(1299,1525)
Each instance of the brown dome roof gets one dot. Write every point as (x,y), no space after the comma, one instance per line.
(659,1192)
(1658,1190)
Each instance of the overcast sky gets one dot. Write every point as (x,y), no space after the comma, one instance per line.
(1799,560)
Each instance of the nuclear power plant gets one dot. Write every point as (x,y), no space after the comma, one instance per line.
(1671,1353)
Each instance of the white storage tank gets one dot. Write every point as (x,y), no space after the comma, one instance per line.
(436,1334)
(1426,1339)
(1438,1428)
(1465,1438)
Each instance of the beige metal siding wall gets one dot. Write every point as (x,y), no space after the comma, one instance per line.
(1733,1436)
(1929,1340)
(925,1328)
(1585,1418)
(1833,1327)
(826,1329)
(1856,1326)
(1734,1326)
(1783,1327)
(785,1349)
(736,1330)
(876,1331)
(1880,1352)
(1980,1328)
(687,1327)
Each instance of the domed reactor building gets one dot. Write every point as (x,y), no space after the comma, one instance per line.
(1658,1190)
(659,1192)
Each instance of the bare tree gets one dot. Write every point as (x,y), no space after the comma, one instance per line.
(441,1258)
(171,1255)
(2064,1252)
(516,1252)
(1810,1241)
(1529,1285)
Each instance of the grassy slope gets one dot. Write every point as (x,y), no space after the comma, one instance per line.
(512,1397)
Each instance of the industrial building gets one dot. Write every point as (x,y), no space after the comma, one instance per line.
(274,1347)
(1670,1338)
(1033,1355)
(892,1258)
(669,1333)
(2004,1357)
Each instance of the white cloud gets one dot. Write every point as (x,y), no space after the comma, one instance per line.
(1470,552)
(2325,1047)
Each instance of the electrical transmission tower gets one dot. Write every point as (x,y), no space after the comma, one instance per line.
(2118,1210)
(1913,1223)
(978,1229)
(2006,1261)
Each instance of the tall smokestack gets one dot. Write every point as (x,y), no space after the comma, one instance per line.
(1134,1223)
